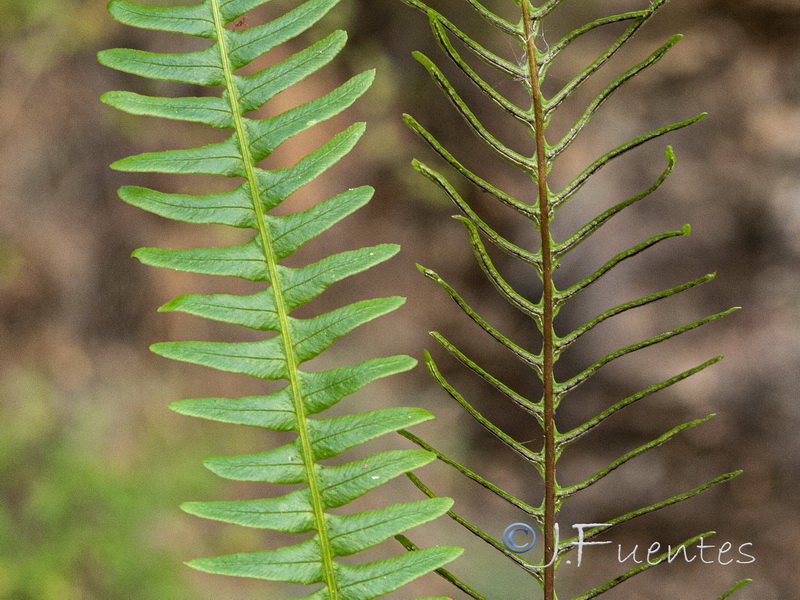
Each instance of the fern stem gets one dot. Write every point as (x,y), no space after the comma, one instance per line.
(292,362)
(547,307)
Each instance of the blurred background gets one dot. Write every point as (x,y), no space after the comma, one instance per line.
(93,465)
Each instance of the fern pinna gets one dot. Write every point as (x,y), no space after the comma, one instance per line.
(539,211)
(295,341)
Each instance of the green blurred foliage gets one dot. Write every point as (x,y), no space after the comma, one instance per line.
(74,523)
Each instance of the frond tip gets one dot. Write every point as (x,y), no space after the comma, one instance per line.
(289,341)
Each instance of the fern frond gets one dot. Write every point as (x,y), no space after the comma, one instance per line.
(739,585)
(611,523)
(550,105)
(535,513)
(292,341)
(534,165)
(594,593)
(488,57)
(499,241)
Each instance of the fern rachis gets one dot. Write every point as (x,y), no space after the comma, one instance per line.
(295,341)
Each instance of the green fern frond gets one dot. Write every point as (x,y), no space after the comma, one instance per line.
(293,341)
(535,167)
